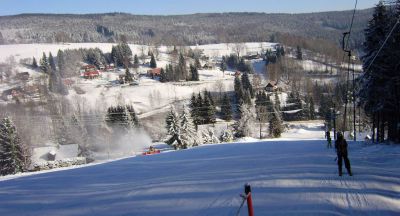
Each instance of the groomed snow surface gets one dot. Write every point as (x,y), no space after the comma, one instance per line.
(287,178)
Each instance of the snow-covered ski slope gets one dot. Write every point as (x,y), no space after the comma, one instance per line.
(287,178)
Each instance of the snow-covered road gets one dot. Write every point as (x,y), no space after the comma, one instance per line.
(287,178)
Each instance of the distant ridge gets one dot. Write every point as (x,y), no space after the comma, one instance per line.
(189,29)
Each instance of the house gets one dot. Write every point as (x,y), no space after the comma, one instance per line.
(68,82)
(155,72)
(252,55)
(61,155)
(31,90)
(49,157)
(12,93)
(24,76)
(271,87)
(90,72)
(109,67)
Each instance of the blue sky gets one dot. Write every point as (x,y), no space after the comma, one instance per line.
(167,7)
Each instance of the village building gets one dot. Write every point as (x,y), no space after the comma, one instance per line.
(49,157)
(89,72)
(24,76)
(155,72)
(271,87)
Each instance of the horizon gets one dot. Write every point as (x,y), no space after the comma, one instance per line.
(178,7)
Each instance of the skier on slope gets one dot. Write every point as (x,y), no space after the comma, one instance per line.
(341,150)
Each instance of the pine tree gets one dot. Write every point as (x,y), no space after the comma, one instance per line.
(163,76)
(247,84)
(14,156)
(312,109)
(226,108)
(153,63)
(52,62)
(275,125)
(194,72)
(223,66)
(188,130)
(34,63)
(197,63)
(61,63)
(244,125)
(135,61)
(238,89)
(227,136)
(173,129)
(199,112)
(122,117)
(44,64)
(299,53)
(194,110)
(182,70)
(208,111)
(128,76)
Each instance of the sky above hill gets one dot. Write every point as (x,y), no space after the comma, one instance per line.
(169,7)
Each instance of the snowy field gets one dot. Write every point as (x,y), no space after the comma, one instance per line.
(287,178)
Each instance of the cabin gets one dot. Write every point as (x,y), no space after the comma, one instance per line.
(49,157)
(24,76)
(271,87)
(12,93)
(68,82)
(90,72)
(252,55)
(109,67)
(155,72)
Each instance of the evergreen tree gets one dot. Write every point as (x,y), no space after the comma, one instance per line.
(44,64)
(209,137)
(122,117)
(61,63)
(223,66)
(135,61)
(188,130)
(181,69)
(173,130)
(121,54)
(197,63)
(195,73)
(238,89)
(153,63)
(244,125)
(128,76)
(261,107)
(14,156)
(227,136)
(275,125)
(208,111)
(34,63)
(163,76)
(194,110)
(299,53)
(199,110)
(312,109)
(226,108)
(247,84)
(52,63)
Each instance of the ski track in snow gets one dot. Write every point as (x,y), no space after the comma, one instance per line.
(287,178)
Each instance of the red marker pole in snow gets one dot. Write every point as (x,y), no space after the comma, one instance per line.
(247,191)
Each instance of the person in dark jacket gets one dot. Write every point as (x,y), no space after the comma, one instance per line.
(341,150)
(328,139)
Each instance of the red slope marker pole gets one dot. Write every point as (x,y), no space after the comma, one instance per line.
(247,191)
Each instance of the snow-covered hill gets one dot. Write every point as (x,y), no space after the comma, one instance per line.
(287,178)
